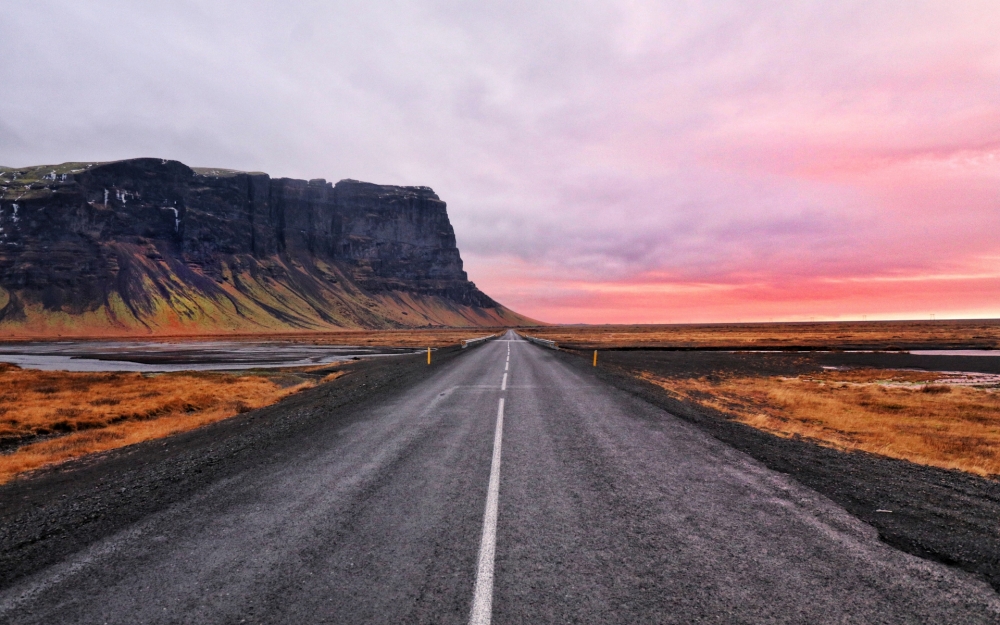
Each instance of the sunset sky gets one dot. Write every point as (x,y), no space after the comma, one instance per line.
(618,162)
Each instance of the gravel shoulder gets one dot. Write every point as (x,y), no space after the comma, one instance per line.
(58,511)
(945,516)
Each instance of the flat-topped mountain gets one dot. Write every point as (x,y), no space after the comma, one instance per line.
(153,246)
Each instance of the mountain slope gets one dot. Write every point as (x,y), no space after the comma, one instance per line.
(149,246)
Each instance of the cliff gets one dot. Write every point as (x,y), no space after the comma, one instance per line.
(153,246)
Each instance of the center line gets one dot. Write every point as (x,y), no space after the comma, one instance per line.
(503,385)
(506,365)
(482,597)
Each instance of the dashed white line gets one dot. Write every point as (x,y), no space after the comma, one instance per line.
(482,596)
(503,385)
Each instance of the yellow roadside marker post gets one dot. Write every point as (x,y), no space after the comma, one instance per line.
(595,357)
(428,355)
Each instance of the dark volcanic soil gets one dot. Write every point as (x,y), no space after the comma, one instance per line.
(58,511)
(948,516)
(681,363)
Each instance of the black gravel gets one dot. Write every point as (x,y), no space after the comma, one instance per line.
(946,516)
(56,512)
(611,510)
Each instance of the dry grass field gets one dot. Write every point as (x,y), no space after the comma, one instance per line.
(53,416)
(942,420)
(979,334)
(927,417)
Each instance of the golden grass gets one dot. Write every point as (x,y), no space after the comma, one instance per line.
(982,334)
(75,414)
(332,376)
(892,413)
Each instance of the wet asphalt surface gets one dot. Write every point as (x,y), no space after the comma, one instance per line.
(610,511)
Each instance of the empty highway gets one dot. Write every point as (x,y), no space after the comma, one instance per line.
(505,487)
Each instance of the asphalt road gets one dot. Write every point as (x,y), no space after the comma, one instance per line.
(595,508)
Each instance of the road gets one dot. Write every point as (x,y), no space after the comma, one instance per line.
(508,487)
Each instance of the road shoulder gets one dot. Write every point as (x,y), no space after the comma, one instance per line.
(945,516)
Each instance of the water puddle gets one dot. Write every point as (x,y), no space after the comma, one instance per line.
(151,357)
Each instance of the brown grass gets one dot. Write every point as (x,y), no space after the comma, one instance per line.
(53,416)
(980,334)
(892,413)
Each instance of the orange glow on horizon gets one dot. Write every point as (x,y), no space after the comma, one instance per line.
(644,300)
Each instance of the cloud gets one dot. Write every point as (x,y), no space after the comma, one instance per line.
(761,148)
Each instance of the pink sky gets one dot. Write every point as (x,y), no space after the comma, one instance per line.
(827,163)
(602,161)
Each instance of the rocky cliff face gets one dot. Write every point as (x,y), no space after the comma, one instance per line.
(150,245)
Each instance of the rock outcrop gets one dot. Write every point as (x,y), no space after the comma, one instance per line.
(154,246)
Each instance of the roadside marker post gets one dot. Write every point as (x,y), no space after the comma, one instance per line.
(595,357)
(428,355)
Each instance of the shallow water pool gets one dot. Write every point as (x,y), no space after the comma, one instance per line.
(149,356)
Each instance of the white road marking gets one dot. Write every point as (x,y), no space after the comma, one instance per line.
(503,385)
(482,596)
(506,365)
